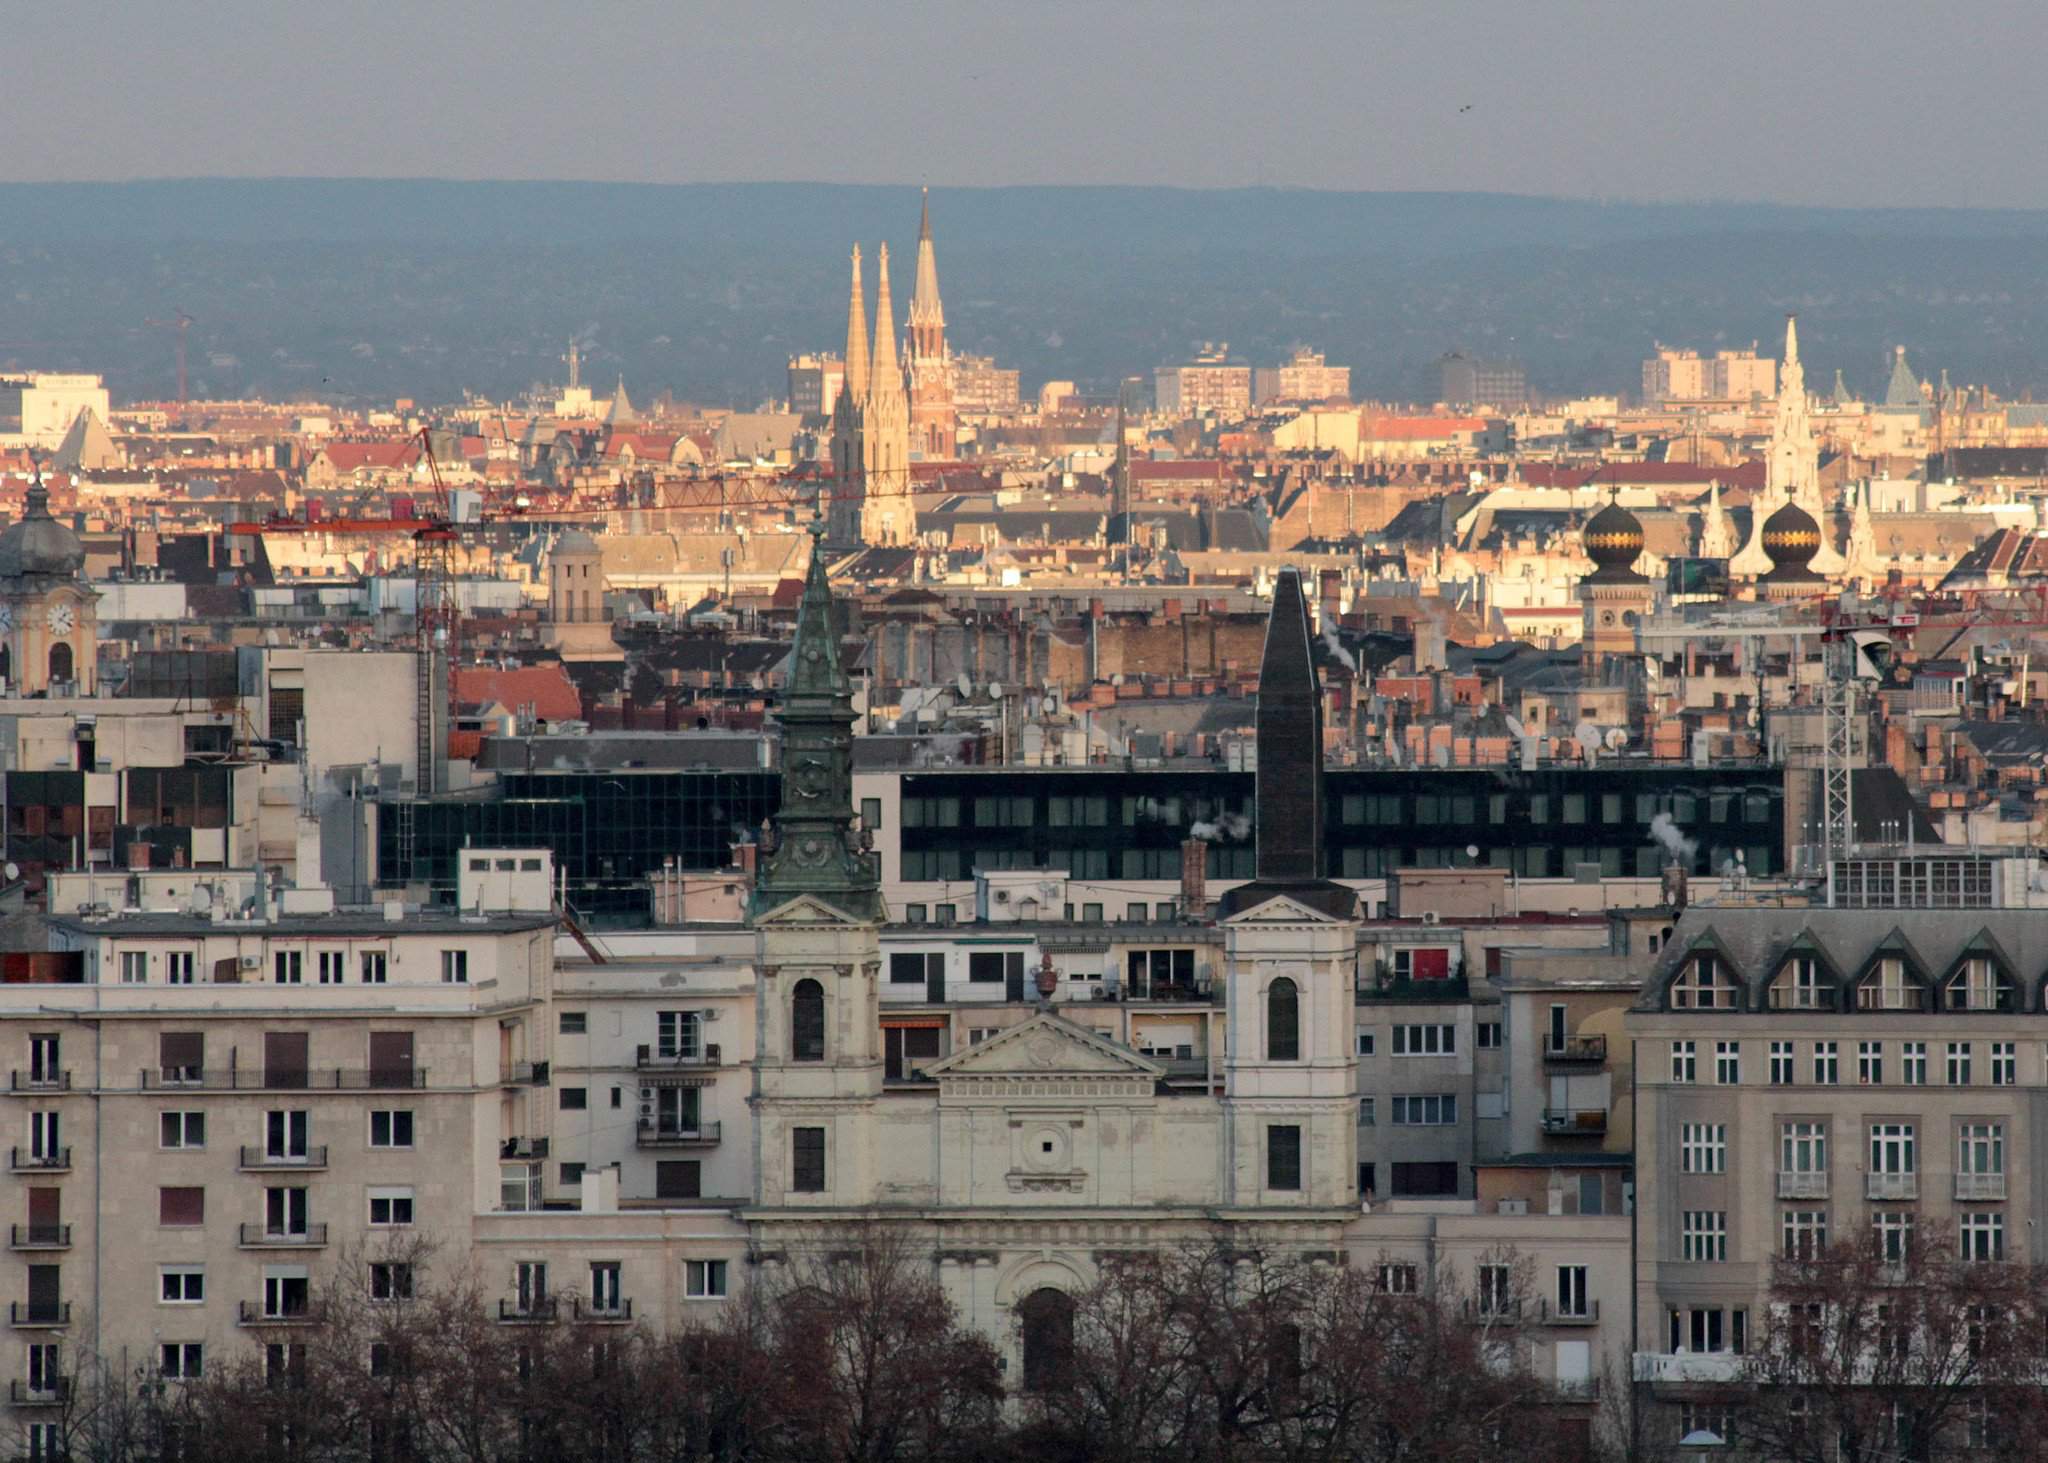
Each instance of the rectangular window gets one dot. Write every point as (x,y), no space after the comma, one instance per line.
(332,966)
(1365,1043)
(134,967)
(390,1280)
(1425,1110)
(182,1130)
(1283,1157)
(179,967)
(807,1160)
(1980,1153)
(1870,1063)
(1703,1148)
(1496,1290)
(1891,1149)
(287,1132)
(181,1057)
(390,1208)
(1959,1064)
(1397,1278)
(374,967)
(1367,1108)
(1425,1041)
(1982,1235)
(575,1099)
(1572,1295)
(1803,1148)
(1703,1235)
(1893,1230)
(1827,1068)
(572,1023)
(181,1207)
(181,1285)
(1487,1037)
(1805,1233)
(1684,1061)
(1781,1064)
(1728,1063)
(391,1127)
(288,967)
(679,1035)
(2005,1064)
(1913,1063)
(454,967)
(704,1279)
(180,1361)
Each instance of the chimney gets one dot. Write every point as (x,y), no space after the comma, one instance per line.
(1332,597)
(138,856)
(1676,889)
(745,856)
(1194,877)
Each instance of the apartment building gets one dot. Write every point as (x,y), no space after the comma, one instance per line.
(1807,1072)
(1209,383)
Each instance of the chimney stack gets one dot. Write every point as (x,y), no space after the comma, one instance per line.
(138,856)
(1676,888)
(1194,877)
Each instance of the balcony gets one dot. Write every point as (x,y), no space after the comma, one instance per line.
(1552,1314)
(1577,1051)
(532,1310)
(649,1059)
(32,1314)
(1686,1367)
(263,1237)
(516,1150)
(41,1081)
(57,1160)
(1490,1312)
(1980,1186)
(50,1392)
(618,1313)
(1806,1185)
(254,1313)
(1575,1122)
(58,1236)
(261,1159)
(1891,1186)
(310,1079)
(652,1134)
(525,1074)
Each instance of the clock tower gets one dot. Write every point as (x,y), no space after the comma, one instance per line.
(49,619)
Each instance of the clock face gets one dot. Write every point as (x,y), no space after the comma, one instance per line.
(61,618)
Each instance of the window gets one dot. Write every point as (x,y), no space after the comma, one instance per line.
(1781,1064)
(918,967)
(1425,1110)
(575,1099)
(287,1290)
(1803,1148)
(454,967)
(1283,1157)
(1283,1021)
(1703,1148)
(1827,1064)
(1701,986)
(1801,986)
(1496,1290)
(1045,1319)
(1805,1233)
(2005,1065)
(288,967)
(1367,1108)
(182,1130)
(1891,1149)
(374,967)
(571,1174)
(572,1023)
(1149,971)
(181,1207)
(1913,1064)
(134,967)
(1487,1036)
(1366,1043)
(390,1208)
(1425,1041)
(1398,1278)
(1870,1063)
(678,1178)
(332,966)
(179,965)
(1892,1230)
(1979,986)
(1980,1153)
(1684,1061)
(1710,1329)
(1982,1235)
(1703,1235)
(1425,1180)
(390,1280)
(181,1361)
(704,1279)
(43,1137)
(287,1132)
(45,1059)
(181,1285)
(976,1035)
(807,1160)
(391,1127)
(1959,1064)
(1888,988)
(917,914)
(607,1288)
(807,1023)
(286,1212)
(1728,1063)
(1571,1291)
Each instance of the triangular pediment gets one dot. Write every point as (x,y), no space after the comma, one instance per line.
(804,909)
(1046,1045)
(1278,909)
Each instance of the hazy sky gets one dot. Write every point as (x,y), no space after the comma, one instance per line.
(1827,101)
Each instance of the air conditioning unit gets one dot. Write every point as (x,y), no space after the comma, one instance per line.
(1511,1206)
(712,1013)
(1430,917)
(1002,896)
(249,962)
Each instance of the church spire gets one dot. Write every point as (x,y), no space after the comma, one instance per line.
(856,385)
(1290,742)
(888,376)
(927,317)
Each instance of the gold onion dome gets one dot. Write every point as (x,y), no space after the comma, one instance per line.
(1613,540)
(1791,538)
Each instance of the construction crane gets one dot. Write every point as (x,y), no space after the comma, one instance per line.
(182,324)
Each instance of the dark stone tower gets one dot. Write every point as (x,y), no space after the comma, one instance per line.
(1290,725)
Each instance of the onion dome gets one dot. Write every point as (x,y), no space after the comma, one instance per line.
(1791,538)
(1613,540)
(39,544)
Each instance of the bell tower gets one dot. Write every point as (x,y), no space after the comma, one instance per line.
(817,909)
(49,616)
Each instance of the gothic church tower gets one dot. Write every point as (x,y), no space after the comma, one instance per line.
(934,422)
(888,516)
(848,452)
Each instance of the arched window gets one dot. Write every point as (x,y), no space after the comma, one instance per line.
(1283,1022)
(807,1022)
(1047,1316)
(60,662)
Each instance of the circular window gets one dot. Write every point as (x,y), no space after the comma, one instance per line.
(1046,1150)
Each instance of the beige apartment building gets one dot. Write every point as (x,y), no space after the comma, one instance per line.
(1686,375)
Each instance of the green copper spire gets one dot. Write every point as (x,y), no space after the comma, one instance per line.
(815,850)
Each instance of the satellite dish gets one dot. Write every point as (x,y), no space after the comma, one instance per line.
(1052,704)
(13,871)
(995,689)
(1515,729)
(1587,735)
(1617,738)
(965,686)
(1471,850)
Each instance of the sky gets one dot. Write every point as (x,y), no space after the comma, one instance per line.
(1841,102)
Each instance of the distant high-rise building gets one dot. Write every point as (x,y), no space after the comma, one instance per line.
(814,382)
(1685,375)
(1306,377)
(1469,381)
(982,388)
(934,422)
(1209,383)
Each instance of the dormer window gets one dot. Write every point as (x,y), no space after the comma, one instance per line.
(1801,986)
(1889,988)
(1703,986)
(1979,986)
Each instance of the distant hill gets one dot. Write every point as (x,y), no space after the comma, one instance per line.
(425,288)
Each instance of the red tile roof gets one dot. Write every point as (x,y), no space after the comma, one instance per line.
(547,688)
(349,456)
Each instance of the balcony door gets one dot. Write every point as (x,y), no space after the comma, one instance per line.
(284,1059)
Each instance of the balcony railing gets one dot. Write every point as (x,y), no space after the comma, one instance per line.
(42,1081)
(532,1308)
(705,1054)
(1553,1314)
(1891,1186)
(1679,1367)
(263,1237)
(55,1160)
(617,1313)
(39,1313)
(654,1134)
(1588,1051)
(254,1313)
(1808,1184)
(526,1074)
(262,1158)
(1575,1122)
(50,1392)
(58,1236)
(1980,1186)
(257,1079)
